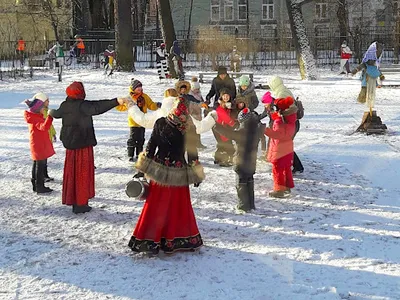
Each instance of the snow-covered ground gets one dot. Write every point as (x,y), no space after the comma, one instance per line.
(337,237)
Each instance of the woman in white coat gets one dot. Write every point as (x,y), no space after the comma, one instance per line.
(148,119)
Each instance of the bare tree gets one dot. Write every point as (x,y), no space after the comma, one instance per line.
(305,57)
(343,19)
(167,28)
(123,34)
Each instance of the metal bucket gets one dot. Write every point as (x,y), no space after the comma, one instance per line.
(138,189)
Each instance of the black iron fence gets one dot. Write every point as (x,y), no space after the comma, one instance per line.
(205,51)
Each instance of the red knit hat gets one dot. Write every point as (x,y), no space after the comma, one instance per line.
(284,103)
(76,91)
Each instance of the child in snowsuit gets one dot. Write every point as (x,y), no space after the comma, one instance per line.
(280,152)
(40,144)
(52,132)
(136,139)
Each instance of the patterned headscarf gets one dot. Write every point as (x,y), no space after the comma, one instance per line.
(179,114)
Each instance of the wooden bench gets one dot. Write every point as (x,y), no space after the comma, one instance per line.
(232,74)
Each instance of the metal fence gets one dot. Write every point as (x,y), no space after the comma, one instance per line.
(206,53)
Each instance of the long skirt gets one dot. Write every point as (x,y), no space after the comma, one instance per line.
(167,222)
(78,179)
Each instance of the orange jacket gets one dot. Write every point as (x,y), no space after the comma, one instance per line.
(21,45)
(39,142)
(80,44)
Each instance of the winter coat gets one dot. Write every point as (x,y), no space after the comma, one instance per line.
(224,118)
(147,120)
(345,52)
(52,131)
(77,123)
(250,95)
(247,137)
(217,85)
(278,88)
(281,134)
(164,160)
(147,104)
(40,145)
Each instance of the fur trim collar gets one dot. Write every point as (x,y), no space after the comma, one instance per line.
(169,176)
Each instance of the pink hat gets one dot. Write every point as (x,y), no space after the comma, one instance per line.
(267,98)
(35,106)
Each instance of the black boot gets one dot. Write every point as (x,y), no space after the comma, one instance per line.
(76,209)
(47,178)
(297,165)
(33,184)
(243,194)
(40,188)
(250,186)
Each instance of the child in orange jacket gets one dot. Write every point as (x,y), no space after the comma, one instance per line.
(40,145)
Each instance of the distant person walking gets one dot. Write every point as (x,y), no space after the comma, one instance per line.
(345,55)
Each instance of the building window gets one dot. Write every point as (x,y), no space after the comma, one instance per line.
(228,9)
(267,9)
(242,8)
(321,11)
(215,8)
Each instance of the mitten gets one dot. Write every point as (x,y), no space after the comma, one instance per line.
(158,104)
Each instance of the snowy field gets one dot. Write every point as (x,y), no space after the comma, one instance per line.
(337,237)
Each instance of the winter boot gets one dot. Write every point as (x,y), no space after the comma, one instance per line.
(47,178)
(131,152)
(40,168)
(81,209)
(33,184)
(277,194)
(250,187)
(244,199)
(139,150)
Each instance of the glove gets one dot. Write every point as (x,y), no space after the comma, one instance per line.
(158,104)
(382,77)
(197,184)
(51,113)
(138,175)
(204,105)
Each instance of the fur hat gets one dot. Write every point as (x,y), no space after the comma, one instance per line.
(34,105)
(76,91)
(222,70)
(284,103)
(135,84)
(242,99)
(244,80)
(244,115)
(183,83)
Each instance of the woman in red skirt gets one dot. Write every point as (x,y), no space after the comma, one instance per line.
(77,136)
(167,221)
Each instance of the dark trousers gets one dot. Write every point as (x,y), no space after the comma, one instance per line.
(38,172)
(297,165)
(135,141)
(245,191)
(225,149)
(191,141)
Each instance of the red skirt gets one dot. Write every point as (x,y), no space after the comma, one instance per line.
(167,222)
(78,179)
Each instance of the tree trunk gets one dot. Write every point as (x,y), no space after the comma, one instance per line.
(304,55)
(167,28)
(343,19)
(123,34)
(49,11)
(86,16)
